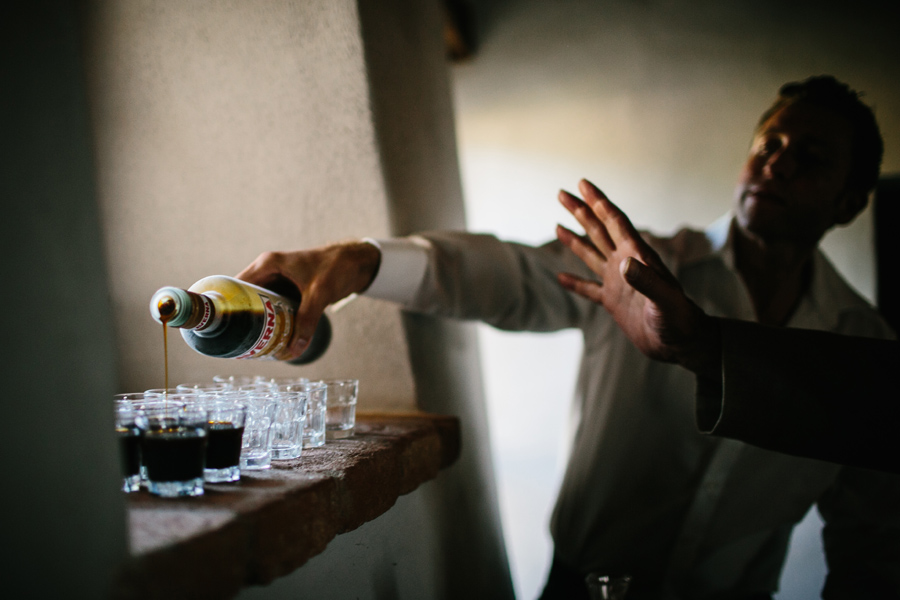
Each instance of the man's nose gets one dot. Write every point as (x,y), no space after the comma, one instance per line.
(781,163)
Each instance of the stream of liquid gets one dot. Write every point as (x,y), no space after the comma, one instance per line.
(166,354)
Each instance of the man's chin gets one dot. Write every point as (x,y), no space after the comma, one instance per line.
(757,224)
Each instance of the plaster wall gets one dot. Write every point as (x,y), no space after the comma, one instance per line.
(225,129)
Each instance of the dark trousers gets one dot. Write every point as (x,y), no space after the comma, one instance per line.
(564,584)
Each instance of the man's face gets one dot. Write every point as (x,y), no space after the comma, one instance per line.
(793,185)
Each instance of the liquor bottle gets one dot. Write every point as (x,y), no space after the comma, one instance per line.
(228,318)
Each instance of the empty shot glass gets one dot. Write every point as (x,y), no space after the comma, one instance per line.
(314,429)
(256,451)
(226,419)
(129,438)
(340,408)
(202,388)
(235,381)
(286,384)
(287,430)
(173,449)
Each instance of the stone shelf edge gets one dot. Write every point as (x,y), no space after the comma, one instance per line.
(273,521)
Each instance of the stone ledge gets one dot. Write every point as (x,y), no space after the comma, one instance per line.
(272,522)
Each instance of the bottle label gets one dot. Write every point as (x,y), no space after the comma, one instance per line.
(207,312)
(267,331)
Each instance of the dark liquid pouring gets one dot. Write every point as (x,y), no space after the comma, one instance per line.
(166,310)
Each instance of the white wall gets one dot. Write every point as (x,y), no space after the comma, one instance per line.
(225,129)
(655,102)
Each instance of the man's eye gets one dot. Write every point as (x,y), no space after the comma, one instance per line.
(770,145)
(811,159)
(767,146)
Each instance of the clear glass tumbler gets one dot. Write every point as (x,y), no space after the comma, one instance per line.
(202,388)
(256,446)
(340,410)
(314,429)
(287,430)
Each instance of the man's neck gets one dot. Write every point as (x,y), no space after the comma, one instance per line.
(775,273)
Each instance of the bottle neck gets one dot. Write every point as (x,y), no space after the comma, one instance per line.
(180,308)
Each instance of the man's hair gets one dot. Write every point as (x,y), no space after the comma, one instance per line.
(826,91)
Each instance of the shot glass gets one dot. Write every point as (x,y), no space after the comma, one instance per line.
(134,398)
(314,429)
(141,401)
(287,384)
(234,381)
(226,419)
(604,587)
(202,388)
(129,438)
(287,430)
(256,451)
(173,449)
(340,408)
(169,394)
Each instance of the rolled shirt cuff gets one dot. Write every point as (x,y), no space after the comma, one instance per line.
(402,269)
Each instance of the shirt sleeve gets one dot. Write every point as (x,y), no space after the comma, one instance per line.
(470,276)
(402,268)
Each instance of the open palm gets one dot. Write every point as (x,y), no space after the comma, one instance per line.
(632,284)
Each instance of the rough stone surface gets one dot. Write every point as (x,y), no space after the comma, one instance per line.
(272,522)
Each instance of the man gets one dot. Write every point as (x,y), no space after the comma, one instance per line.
(823,395)
(644,494)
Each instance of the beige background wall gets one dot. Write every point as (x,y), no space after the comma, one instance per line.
(225,129)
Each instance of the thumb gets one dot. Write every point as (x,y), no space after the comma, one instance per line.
(644,280)
(305,321)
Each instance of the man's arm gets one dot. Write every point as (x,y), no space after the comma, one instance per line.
(452,274)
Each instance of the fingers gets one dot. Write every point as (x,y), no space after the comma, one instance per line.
(270,268)
(614,220)
(262,270)
(592,290)
(588,254)
(641,277)
(305,320)
(661,288)
(586,217)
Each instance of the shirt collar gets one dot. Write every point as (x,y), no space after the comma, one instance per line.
(823,302)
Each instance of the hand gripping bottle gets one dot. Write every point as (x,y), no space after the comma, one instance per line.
(228,318)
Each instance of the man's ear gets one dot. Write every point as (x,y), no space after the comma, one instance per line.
(850,204)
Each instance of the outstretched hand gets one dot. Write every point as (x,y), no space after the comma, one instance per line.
(634,285)
(321,276)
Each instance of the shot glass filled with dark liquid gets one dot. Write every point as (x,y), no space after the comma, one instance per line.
(128,437)
(173,449)
(226,418)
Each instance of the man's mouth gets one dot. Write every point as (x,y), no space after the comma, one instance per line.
(761,194)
